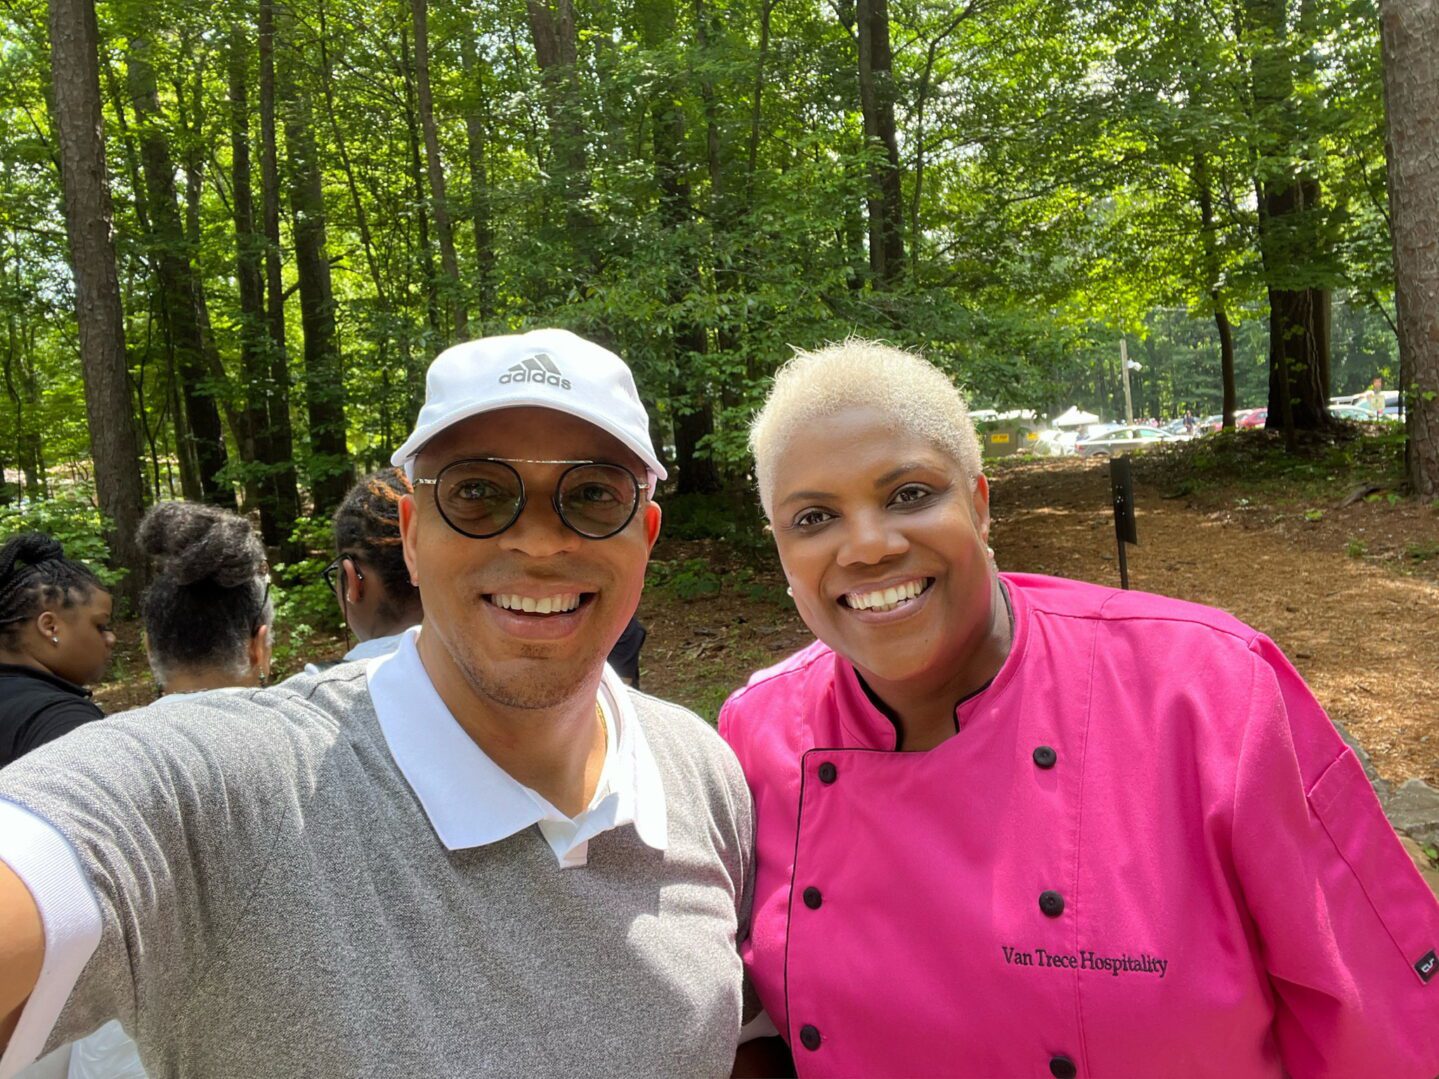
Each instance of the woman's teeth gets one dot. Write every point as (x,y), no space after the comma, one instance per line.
(887,599)
(529,605)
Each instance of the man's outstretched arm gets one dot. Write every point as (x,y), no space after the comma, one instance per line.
(22,950)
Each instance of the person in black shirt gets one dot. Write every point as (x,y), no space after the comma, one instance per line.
(54,640)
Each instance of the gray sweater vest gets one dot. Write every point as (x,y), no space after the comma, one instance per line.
(275,902)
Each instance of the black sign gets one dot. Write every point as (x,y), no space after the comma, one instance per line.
(1121,483)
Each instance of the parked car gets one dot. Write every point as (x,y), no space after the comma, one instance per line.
(1251,417)
(1052,443)
(1352,413)
(1122,440)
(1209,424)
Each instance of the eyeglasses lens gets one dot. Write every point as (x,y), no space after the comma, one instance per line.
(597,500)
(479,498)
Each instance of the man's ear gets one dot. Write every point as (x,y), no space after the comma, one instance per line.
(409,535)
(652,523)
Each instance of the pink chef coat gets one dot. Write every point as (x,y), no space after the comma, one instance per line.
(1145,853)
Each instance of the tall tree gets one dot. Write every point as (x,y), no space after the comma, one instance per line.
(284,487)
(555,34)
(329,462)
(419,10)
(688,341)
(177,284)
(876,97)
(1410,35)
(476,141)
(74,43)
(1290,223)
(250,280)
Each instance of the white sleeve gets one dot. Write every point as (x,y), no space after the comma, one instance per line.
(47,865)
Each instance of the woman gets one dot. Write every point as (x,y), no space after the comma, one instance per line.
(1018,825)
(377,598)
(207,611)
(55,640)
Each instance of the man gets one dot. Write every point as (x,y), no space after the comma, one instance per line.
(1374,398)
(480,854)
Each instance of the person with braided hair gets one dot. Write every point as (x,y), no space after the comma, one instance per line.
(368,575)
(207,611)
(55,640)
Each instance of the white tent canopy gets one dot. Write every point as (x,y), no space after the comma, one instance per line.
(1074,417)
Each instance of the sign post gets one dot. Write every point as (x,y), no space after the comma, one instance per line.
(1121,485)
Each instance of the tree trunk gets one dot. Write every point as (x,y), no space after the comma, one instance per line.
(176,283)
(250,276)
(329,460)
(284,485)
(475,139)
(556,40)
(454,292)
(1211,285)
(876,98)
(689,393)
(1289,229)
(1409,32)
(422,221)
(88,225)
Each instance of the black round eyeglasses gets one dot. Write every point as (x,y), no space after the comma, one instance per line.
(481,497)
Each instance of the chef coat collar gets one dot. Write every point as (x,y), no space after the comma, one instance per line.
(471,801)
(867,724)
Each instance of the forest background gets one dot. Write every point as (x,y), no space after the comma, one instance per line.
(233,235)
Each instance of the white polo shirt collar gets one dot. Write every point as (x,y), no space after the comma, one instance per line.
(472,802)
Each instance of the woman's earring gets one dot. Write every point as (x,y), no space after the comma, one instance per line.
(991,551)
(789,592)
(55,637)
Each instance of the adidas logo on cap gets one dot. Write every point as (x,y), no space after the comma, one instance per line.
(537,368)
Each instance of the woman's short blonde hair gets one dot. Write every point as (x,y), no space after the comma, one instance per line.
(913,393)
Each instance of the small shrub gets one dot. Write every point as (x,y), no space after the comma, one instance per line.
(1356,548)
(1422,552)
(1314,515)
(690,579)
(305,608)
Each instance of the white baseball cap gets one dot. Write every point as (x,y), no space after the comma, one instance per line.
(542,369)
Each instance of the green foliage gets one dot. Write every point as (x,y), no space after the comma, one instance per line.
(305,608)
(1356,548)
(711,213)
(1323,466)
(690,579)
(71,519)
(1422,552)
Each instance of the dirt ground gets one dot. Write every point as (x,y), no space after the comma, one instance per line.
(1363,628)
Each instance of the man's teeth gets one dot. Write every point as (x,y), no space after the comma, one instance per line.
(549,605)
(886,599)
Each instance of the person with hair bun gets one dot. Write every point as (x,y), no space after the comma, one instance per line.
(55,639)
(207,612)
(1019,825)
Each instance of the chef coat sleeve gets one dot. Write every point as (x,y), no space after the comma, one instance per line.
(1347,928)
